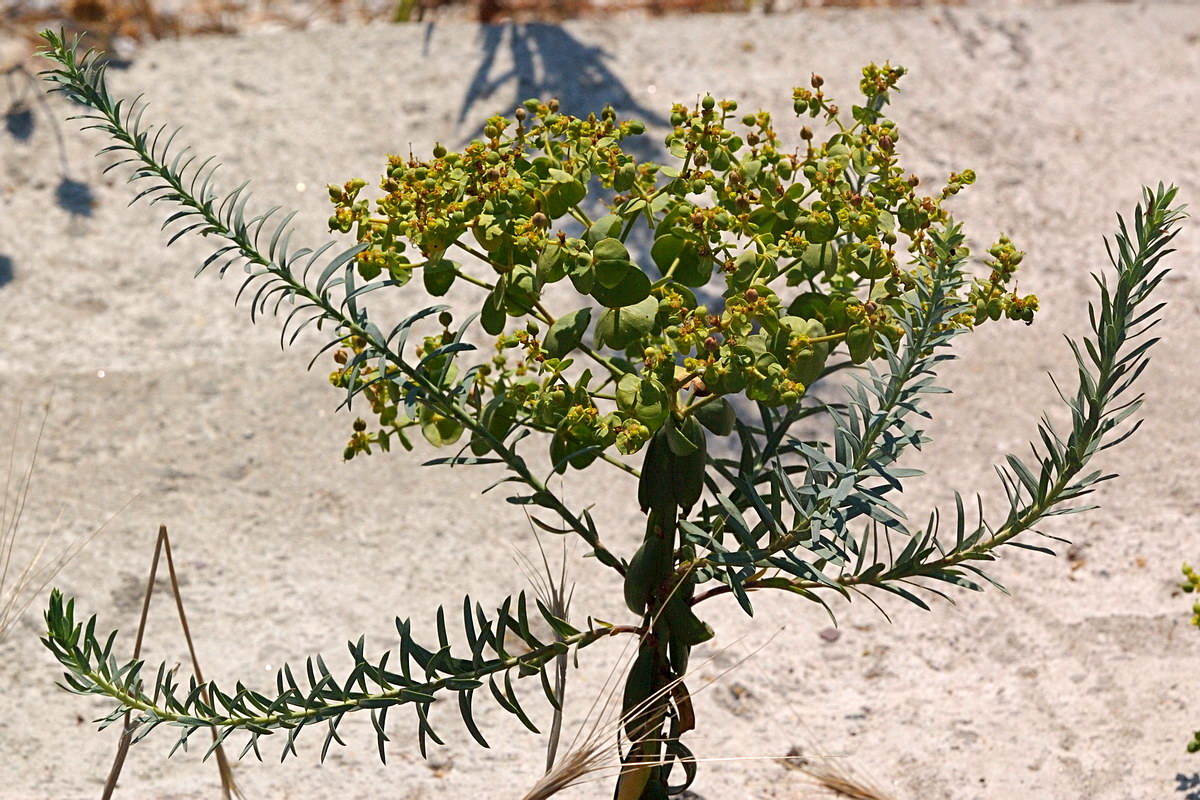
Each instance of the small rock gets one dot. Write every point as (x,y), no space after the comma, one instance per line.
(795,759)
(830,634)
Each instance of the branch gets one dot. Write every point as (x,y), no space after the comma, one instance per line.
(424,674)
(271,273)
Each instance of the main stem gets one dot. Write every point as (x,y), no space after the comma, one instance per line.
(656,709)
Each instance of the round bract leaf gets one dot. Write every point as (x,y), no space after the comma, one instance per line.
(566,333)
(633,289)
(809,305)
(582,276)
(717,415)
(521,292)
(551,265)
(439,430)
(492,316)
(565,450)
(689,268)
(439,276)
(820,259)
(606,227)
(610,249)
(644,399)
(685,437)
(610,272)
(620,327)
(860,341)
(808,366)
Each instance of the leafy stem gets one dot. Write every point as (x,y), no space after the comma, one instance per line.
(84,80)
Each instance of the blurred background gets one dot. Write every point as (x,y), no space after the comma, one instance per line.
(117,26)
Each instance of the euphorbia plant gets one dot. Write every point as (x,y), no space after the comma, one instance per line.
(769,268)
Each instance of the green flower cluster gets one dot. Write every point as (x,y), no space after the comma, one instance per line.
(803,247)
(1191,582)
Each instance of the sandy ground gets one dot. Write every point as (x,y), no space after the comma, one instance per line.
(1075,686)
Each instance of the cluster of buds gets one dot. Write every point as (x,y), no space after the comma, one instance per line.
(764,261)
(1191,582)
(992,298)
(382,395)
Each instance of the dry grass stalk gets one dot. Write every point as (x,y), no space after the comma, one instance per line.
(24,576)
(553,593)
(594,753)
(836,777)
(162,545)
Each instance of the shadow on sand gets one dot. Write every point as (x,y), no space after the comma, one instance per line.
(547,61)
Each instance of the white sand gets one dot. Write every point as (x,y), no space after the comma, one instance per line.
(1076,686)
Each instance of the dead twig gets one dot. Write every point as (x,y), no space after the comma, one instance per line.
(229,787)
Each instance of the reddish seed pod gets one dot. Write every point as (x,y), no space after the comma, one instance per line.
(711,344)
(751,295)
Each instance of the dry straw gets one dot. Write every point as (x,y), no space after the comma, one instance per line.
(26,563)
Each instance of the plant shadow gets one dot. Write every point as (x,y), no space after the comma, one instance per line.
(547,61)
(6,270)
(1189,784)
(74,197)
(19,122)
